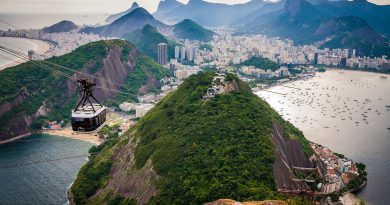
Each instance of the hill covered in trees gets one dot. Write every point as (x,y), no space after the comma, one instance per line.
(147,40)
(259,62)
(191,150)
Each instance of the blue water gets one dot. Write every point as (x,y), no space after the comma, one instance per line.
(33,170)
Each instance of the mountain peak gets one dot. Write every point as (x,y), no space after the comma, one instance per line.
(295,7)
(139,12)
(134,5)
(114,17)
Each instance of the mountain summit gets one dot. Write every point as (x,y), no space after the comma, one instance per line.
(114,17)
(193,149)
(188,29)
(136,19)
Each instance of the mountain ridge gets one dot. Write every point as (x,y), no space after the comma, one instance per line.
(114,17)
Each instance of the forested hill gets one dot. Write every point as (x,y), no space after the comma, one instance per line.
(191,150)
(147,40)
(31,94)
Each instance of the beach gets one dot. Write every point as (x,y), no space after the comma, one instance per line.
(66,132)
(69,133)
(22,44)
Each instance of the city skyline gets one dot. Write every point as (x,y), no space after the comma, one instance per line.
(99,6)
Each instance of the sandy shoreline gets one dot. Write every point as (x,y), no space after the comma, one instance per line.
(67,132)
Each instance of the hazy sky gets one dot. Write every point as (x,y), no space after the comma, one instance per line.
(100,6)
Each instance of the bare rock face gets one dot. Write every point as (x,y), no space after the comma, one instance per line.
(114,72)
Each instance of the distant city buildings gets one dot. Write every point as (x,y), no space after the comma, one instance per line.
(177,52)
(228,50)
(188,53)
(162,54)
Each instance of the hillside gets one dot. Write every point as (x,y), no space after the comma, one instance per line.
(259,62)
(188,150)
(188,29)
(29,94)
(63,26)
(114,17)
(147,39)
(127,23)
(353,32)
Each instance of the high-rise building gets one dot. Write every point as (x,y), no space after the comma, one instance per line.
(162,56)
(189,54)
(343,62)
(315,61)
(177,52)
(183,53)
(195,52)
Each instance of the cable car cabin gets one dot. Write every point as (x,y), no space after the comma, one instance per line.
(88,118)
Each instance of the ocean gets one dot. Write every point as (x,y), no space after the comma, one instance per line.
(40,168)
(41,20)
(21,43)
(345,111)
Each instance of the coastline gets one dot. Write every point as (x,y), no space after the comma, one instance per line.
(16,138)
(69,133)
(41,47)
(66,132)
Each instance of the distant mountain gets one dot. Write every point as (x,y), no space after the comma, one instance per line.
(134,20)
(147,39)
(377,16)
(207,13)
(63,26)
(353,32)
(188,29)
(30,94)
(307,23)
(114,17)
(165,6)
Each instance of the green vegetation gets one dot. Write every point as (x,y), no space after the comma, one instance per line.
(35,86)
(38,85)
(205,150)
(147,39)
(94,174)
(188,29)
(145,69)
(259,62)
